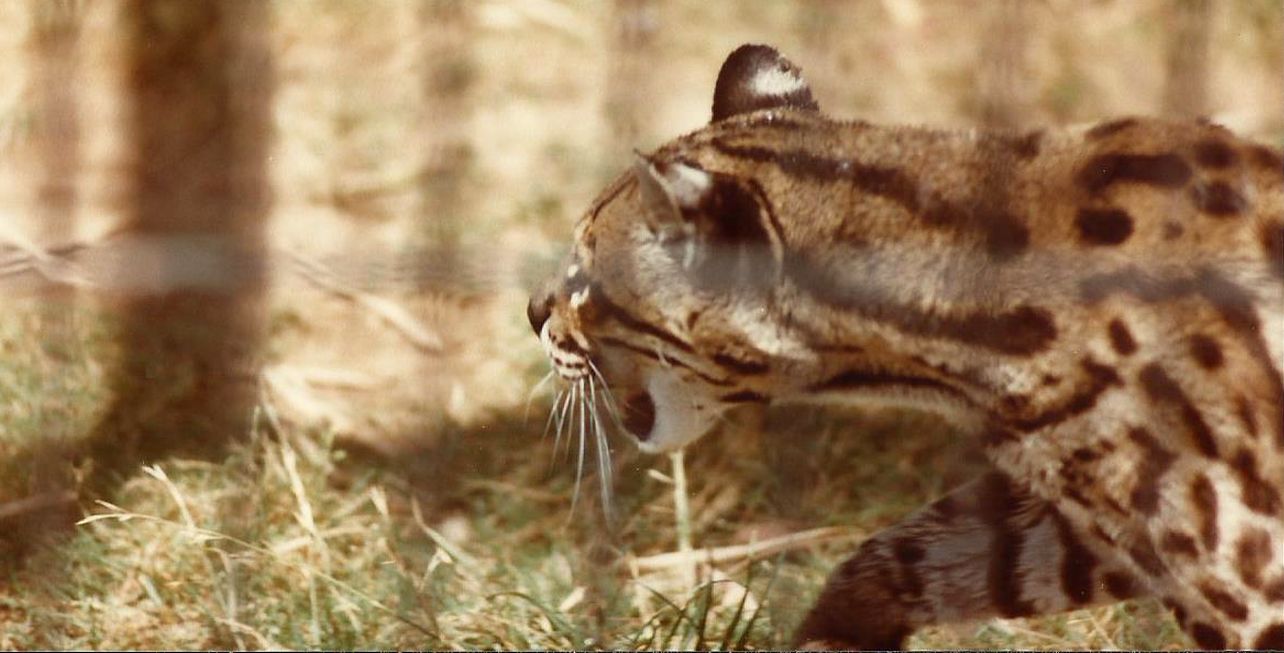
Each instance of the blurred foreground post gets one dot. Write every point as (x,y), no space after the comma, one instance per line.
(449,75)
(54,51)
(55,60)
(1186,87)
(199,88)
(1004,81)
(631,97)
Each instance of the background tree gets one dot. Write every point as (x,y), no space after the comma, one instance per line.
(448,76)
(1004,82)
(1187,58)
(630,84)
(54,61)
(199,81)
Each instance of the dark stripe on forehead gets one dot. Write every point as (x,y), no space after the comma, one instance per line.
(609,195)
(1021,331)
(888,183)
(621,315)
(764,203)
(655,356)
(1004,233)
(766,120)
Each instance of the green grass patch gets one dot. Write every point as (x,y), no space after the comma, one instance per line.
(470,543)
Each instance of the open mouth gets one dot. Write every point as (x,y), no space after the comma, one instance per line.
(639,415)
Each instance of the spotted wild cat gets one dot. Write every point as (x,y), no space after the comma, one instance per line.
(1103,308)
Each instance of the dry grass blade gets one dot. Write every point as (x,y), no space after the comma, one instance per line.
(296,543)
(753,551)
(265,643)
(203,535)
(304,514)
(459,557)
(560,625)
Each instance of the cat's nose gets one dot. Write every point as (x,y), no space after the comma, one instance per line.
(539,309)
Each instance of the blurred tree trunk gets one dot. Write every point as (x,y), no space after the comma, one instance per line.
(55,39)
(55,50)
(199,89)
(629,107)
(1186,87)
(449,75)
(631,95)
(1004,81)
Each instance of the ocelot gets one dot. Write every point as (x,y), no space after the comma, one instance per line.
(1102,307)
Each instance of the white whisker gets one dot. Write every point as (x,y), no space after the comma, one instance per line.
(526,414)
(603,453)
(579,466)
(577,415)
(552,413)
(612,406)
(563,417)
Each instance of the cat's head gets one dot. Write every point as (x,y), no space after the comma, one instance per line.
(662,298)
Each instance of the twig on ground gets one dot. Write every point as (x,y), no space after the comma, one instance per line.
(754,550)
(36,502)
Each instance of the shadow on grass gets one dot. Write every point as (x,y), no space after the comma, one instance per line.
(493,490)
(182,387)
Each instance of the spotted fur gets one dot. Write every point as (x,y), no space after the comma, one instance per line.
(1103,308)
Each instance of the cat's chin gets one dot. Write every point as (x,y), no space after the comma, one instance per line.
(681,415)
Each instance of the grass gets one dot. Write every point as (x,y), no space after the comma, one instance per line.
(297,540)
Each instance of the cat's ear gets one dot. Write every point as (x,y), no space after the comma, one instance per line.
(712,224)
(756,77)
(670,190)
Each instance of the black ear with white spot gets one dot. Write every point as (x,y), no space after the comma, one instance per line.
(756,77)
